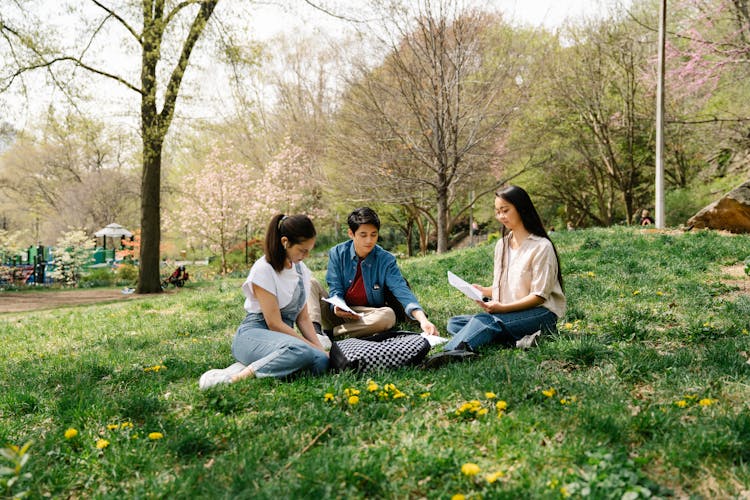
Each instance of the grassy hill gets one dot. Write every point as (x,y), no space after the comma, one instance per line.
(644,391)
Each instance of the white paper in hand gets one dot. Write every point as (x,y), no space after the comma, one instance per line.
(339,302)
(465,287)
(434,339)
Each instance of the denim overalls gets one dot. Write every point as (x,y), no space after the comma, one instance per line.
(276,354)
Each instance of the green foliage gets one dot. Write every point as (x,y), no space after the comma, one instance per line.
(99,277)
(641,392)
(11,476)
(126,274)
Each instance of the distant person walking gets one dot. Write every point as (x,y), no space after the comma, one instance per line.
(526,296)
(276,290)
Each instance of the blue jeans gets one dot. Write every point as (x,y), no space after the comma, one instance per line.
(274,354)
(483,328)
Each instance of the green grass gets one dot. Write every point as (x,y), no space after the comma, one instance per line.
(649,372)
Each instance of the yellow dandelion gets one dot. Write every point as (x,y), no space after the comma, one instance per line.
(563,401)
(706,402)
(111,427)
(424,395)
(458,496)
(398,394)
(101,444)
(153,436)
(501,405)
(372,386)
(353,400)
(636,292)
(470,469)
(549,392)
(568,326)
(744,331)
(351,391)
(126,425)
(681,403)
(389,387)
(328,397)
(490,395)
(659,293)
(564,492)
(491,478)
(482,411)
(70,433)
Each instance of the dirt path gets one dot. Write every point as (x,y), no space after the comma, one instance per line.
(33,301)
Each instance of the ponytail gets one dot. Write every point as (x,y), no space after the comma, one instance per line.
(296,228)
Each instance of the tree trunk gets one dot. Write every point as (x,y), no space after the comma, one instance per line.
(442,218)
(148,275)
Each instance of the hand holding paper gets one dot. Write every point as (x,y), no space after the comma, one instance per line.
(465,287)
(339,302)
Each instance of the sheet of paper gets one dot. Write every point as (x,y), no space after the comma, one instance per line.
(434,339)
(465,287)
(339,302)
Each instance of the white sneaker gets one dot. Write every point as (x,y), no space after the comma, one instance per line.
(214,377)
(325,342)
(529,340)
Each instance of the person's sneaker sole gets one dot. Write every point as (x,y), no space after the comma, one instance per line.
(445,357)
(213,377)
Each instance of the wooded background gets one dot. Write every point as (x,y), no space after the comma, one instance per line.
(419,109)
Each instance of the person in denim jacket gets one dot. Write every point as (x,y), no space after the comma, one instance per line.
(365,276)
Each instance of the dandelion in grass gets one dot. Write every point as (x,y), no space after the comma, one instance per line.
(70,433)
(353,400)
(744,331)
(154,368)
(458,496)
(568,326)
(126,425)
(591,274)
(564,492)
(398,394)
(351,391)
(501,405)
(112,427)
(636,292)
(101,444)
(328,397)
(549,392)
(490,395)
(681,403)
(707,402)
(372,386)
(424,395)
(659,293)
(494,476)
(470,469)
(153,436)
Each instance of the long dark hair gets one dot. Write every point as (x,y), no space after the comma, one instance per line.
(297,228)
(530,219)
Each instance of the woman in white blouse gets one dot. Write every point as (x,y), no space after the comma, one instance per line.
(526,296)
(266,343)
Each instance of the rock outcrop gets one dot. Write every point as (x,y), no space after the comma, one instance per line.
(731,212)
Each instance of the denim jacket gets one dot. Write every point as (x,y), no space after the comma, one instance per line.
(379,271)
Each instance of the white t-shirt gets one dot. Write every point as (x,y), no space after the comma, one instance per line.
(282,284)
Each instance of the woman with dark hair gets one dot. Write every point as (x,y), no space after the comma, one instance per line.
(266,344)
(526,296)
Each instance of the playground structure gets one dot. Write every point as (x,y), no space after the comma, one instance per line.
(33,265)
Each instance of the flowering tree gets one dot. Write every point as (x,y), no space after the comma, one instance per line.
(216,203)
(72,251)
(291,184)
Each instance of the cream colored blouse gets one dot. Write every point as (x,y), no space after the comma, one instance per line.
(532,270)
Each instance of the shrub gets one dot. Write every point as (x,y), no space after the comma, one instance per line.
(126,274)
(102,276)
